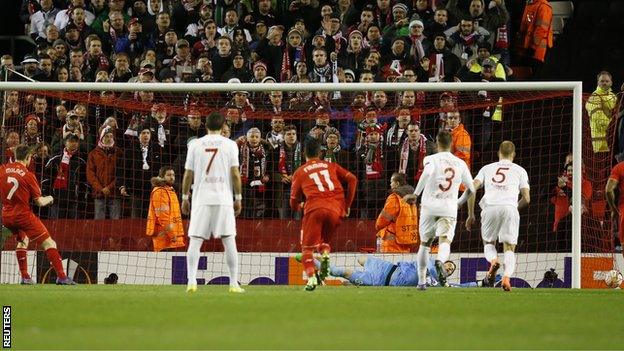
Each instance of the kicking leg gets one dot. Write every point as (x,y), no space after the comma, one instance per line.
(422,257)
(510,265)
(49,246)
(489,251)
(192,261)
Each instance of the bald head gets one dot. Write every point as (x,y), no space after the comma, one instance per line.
(507,150)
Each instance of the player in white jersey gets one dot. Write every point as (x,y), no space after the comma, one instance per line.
(212,166)
(500,220)
(439,183)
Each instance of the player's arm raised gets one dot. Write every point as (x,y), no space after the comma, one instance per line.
(238,190)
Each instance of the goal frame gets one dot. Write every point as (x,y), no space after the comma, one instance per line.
(576,87)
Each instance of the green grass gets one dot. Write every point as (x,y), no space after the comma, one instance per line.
(164,317)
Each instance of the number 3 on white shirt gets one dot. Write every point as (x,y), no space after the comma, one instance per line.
(319,184)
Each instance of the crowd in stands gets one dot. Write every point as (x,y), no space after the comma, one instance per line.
(98,154)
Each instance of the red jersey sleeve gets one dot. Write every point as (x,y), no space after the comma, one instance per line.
(33,185)
(617,173)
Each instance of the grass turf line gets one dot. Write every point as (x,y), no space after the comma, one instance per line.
(157,317)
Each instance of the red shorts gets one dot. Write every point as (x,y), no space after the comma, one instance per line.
(26,225)
(319,226)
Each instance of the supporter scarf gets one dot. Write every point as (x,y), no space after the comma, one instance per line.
(162,135)
(372,159)
(31,139)
(395,139)
(62,176)
(470,39)
(287,167)
(253,158)
(144,154)
(502,40)
(405,152)
(286,67)
(274,139)
(101,144)
(418,51)
(322,73)
(330,154)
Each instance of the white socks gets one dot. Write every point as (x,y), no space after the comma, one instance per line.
(444,251)
(510,263)
(490,253)
(231,258)
(422,257)
(192,259)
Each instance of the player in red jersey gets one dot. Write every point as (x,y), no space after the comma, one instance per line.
(17,187)
(616,180)
(325,205)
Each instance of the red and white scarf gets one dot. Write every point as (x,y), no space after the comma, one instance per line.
(62,176)
(405,152)
(255,159)
(374,165)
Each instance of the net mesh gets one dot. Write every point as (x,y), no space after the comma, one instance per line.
(539,123)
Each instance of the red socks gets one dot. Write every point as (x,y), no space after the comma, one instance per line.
(55,260)
(22,263)
(308,263)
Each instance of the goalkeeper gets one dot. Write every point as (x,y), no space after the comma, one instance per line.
(378,272)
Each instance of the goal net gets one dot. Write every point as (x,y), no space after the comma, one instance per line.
(372,130)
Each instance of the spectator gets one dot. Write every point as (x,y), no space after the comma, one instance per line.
(195,29)
(203,69)
(419,43)
(399,27)
(164,219)
(231,24)
(600,106)
(101,165)
(440,22)
(372,171)
(63,17)
(222,59)
(465,38)
(331,151)
(275,137)
(288,157)
(238,69)
(12,110)
(535,35)
(443,64)
(31,135)
(208,42)
(461,142)
(66,179)
(253,168)
(42,18)
(492,19)
(140,162)
(475,65)
(114,29)
(397,223)
(182,61)
(135,43)
(486,74)
(12,139)
(412,153)
(29,66)
(271,50)
(95,59)
(322,71)
(121,73)
(355,54)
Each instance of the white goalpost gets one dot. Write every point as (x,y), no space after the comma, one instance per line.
(574,89)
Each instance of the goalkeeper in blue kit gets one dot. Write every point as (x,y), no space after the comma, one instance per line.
(378,272)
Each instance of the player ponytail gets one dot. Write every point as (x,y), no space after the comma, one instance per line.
(22,151)
(312,148)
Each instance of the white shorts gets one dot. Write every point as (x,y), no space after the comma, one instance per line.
(436,226)
(212,221)
(500,223)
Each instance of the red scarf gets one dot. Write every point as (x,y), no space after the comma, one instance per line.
(259,155)
(62,177)
(405,152)
(374,166)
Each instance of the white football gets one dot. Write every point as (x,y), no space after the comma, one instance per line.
(613,279)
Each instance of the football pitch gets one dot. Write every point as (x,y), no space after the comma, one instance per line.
(284,317)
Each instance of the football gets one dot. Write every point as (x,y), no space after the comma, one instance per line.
(613,279)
